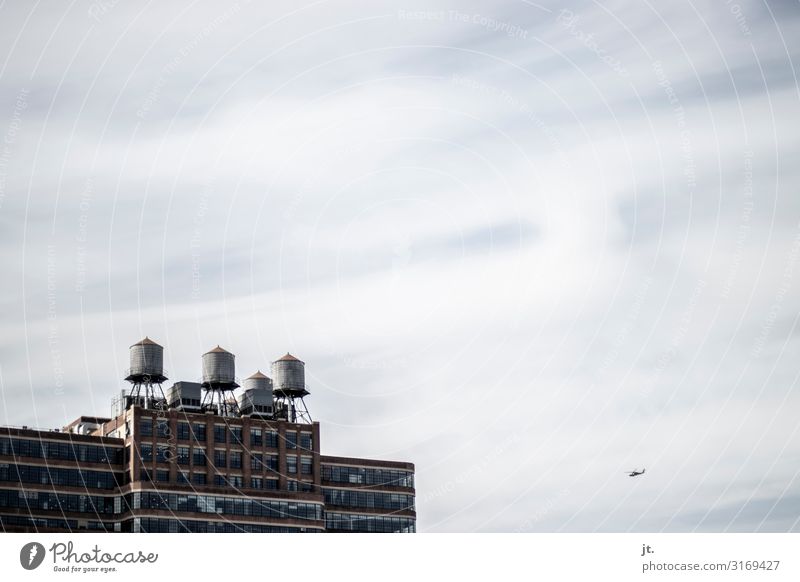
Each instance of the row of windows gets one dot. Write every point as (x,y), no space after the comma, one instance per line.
(62,451)
(367,476)
(369,523)
(229,434)
(225,459)
(155,525)
(38,522)
(49,501)
(225,505)
(63,477)
(369,499)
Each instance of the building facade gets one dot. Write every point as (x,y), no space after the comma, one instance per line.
(167,466)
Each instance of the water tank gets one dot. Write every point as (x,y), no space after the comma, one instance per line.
(219,368)
(289,375)
(147,360)
(258,381)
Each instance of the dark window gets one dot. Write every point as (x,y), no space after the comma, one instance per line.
(255,482)
(255,437)
(199,456)
(256,461)
(306,465)
(220,434)
(236,460)
(272,439)
(305,441)
(199,431)
(164,431)
(236,434)
(162,476)
(145,427)
(147,452)
(291,440)
(183,455)
(199,478)
(271,484)
(220,459)
(183,431)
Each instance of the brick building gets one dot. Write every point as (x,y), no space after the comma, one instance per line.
(175,463)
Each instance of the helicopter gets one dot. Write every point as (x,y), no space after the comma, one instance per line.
(635,473)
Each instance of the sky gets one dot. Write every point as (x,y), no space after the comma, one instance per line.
(527,246)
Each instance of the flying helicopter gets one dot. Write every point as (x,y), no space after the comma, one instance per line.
(635,473)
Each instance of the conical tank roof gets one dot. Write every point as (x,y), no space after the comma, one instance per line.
(146,342)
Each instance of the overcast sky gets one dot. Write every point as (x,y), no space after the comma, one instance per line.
(526,246)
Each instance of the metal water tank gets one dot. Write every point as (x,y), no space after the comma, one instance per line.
(289,374)
(219,367)
(147,360)
(258,381)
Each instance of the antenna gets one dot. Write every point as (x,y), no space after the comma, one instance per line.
(146,374)
(289,388)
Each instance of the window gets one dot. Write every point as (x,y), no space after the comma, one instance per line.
(291,485)
(183,455)
(236,481)
(162,476)
(220,434)
(220,459)
(199,456)
(256,482)
(219,481)
(306,441)
(272,439)
(199,431)
(147,452)
(271,484)
(236,460)
(144,475)
(306,465)
(255,437)
(291,464)
(183,431)
(146,427)
(256,461)
(306,487)
(164,431)
(163,454)
(272,462)
(199,478)
(183,478)
(236,434)
(291,440)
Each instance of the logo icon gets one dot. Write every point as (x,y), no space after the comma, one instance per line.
(31,555)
